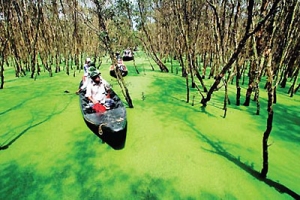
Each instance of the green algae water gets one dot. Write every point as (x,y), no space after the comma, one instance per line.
(173,150)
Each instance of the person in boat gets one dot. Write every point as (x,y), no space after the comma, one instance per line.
(127,52)
(128,55)
(86,67)
(120,66)
(85,76)
(118,55)
(88,79)
(98,92)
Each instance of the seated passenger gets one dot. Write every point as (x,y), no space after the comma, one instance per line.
(98,92)
(86,67)
(88,79)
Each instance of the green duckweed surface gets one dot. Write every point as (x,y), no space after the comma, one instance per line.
(173,150)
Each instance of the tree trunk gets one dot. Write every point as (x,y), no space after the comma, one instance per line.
(204,65)
(238,96)
(297,88)
(187,89)
(2,65)
(201,80)
(161,65)
(292,88)
(240,46)
(104,36)
(226,99)
(267,133)
(237,83)
(257,100)
(136,69)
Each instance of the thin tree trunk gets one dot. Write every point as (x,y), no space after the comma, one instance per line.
(211,64)
(297,88)
(34,47)
(237,83)
(107,42)
(201,80)
(284,49)
(226,99)
(161,65)
(187,89)
(136,69)
(267,133)
(240,46)
(2,58)
(204,65)
(292,88)
(257,100)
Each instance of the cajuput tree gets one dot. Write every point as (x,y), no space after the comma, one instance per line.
(104,15)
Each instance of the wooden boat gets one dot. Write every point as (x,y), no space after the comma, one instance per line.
(121,67)
(111,125)
(128,55)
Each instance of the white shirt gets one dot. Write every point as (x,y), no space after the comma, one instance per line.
(86,69)
(97,91)
(85,83)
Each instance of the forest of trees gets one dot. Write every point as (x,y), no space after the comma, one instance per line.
(210,39)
